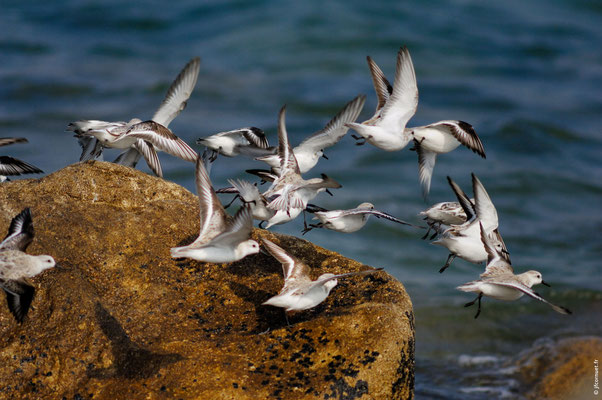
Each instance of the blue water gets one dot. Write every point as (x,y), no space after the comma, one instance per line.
(526,75)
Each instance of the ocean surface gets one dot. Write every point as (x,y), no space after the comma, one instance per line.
(526,75)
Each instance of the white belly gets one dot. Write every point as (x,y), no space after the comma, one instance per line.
(435,139)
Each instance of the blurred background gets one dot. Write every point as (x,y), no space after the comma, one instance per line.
(526,75)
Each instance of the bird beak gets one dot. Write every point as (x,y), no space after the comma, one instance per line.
(328,191)
(324,155)
(505,251)
(545,283)
(59,266)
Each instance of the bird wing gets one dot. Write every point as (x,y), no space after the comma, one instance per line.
(402,103)
(19,296)
(377,214)
(335,129)
(463,132)
(129,158)
(178,93)
(13,166)
(426,164)
(238,230)
(463,199)
(213,215)
(10,140)
(150,156)
(484,207)
(163,139)
(496,263)
(20,232)
(288,162)
(321,281)
(529,292)
(382,87)
(293,269)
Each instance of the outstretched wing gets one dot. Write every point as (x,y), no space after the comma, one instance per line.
(20,232)
(178,93)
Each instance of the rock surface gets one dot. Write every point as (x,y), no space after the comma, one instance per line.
(561,370)
(122,320)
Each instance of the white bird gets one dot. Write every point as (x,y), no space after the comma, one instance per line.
(309,151)
(13,166)
(387,129)
(250,142)
(222,239)
(464,240)
(290,190)
(499,282)
(94,135)
(299,291)
(16,266)
(348,221)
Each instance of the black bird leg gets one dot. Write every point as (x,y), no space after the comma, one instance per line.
(450,258)
(360,140)
(328,191)
(232,201)
(427,233)
(479,305)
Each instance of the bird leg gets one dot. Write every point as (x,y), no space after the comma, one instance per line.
(479,305)
(450,258)
(360,140)
(328,191)
(232,201)
(416,144)
(427,233)
(286,317)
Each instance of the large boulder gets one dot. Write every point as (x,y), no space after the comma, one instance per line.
(561,369)
(123,320)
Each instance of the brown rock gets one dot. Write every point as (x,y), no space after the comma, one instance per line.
(561,370)
(122,320)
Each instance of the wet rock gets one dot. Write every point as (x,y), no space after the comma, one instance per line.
(124,320)
(562,369)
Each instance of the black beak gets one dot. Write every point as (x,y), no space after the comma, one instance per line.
(324,155)
(328,191)
(58,266)
(505,251)
(545,283)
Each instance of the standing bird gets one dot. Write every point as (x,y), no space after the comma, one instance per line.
(16,266)
(93,135)
(299,291)
(348,221)
(387,129)
(222,239)
(499,282)
(13,166)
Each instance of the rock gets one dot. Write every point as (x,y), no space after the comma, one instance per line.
(122,320)
(562,369)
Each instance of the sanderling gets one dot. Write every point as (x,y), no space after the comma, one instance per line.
(222,239)
(464,240)
(291,189)
(299,291)
(388,130)
(91,132)
(499,282)
(250,142)
(396,105)
(348,221)
(13,166)
(16,266)
(309,151)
